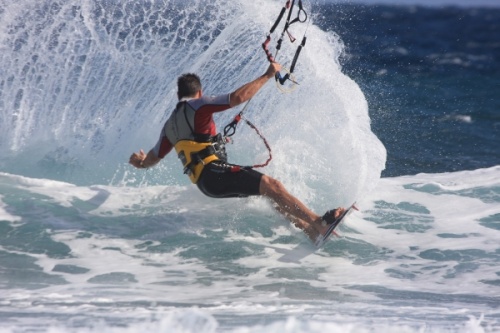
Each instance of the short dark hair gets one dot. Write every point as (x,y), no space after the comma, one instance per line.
(188,85)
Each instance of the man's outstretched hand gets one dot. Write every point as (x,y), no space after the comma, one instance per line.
(136,159)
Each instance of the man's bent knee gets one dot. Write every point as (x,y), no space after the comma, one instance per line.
(270,186)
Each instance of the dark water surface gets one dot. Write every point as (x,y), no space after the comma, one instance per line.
(432,80)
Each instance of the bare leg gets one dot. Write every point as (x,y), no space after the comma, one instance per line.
(308,229)
(293,209)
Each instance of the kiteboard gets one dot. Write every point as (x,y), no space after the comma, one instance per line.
(323,238)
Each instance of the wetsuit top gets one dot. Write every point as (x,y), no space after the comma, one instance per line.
(192,119)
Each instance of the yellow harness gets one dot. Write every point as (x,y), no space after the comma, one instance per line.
(194,156)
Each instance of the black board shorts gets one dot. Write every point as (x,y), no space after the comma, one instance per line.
(218,181)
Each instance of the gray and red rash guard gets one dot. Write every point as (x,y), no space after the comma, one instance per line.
(191,119)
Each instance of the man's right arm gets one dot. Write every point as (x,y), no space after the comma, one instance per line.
(142,160)
(247,91)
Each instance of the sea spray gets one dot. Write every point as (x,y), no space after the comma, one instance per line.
(86,83)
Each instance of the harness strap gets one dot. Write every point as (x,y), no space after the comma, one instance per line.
(195,155)
(198,157)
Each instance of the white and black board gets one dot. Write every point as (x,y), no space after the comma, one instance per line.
(322,239)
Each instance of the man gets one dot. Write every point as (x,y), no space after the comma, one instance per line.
(191,130)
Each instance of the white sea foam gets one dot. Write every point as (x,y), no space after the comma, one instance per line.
(94,254)
(4,215)
(422,252)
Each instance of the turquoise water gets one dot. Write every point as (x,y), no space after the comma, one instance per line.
(80,258)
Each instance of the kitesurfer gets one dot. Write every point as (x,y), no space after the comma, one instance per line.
(191,131)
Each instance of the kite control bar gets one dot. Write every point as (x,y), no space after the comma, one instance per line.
(288,6)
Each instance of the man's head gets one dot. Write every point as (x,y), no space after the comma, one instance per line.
(188,85)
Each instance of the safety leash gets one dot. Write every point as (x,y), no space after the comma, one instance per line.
(229,131)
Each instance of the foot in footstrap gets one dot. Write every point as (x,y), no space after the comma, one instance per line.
(331,219)
(331,216)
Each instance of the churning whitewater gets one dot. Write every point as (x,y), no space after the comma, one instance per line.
(89,82)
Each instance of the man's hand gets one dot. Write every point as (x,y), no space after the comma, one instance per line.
(136,159)
(273,68)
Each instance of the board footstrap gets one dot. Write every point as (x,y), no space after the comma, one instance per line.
(330,220)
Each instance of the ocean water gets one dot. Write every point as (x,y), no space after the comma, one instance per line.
(431,77)
(397,108)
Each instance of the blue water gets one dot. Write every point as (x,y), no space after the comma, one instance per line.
(431,77)
(397,108)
